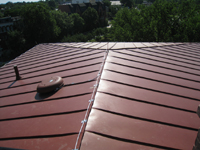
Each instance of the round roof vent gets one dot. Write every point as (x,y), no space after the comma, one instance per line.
(50,84)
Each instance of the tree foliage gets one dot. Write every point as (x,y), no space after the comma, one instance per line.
(13,9)
(16,40)
(107,3)
(16,45)
(91,18)
(39,24)
(128,3)
(1,15)
(94,35)
(138,1)
(151,1)
(64,22)
(162,21)
(78,23)
(52,4)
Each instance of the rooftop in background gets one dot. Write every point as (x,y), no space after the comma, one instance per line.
(81,1)
(115,3)
(81,7)
(145,97)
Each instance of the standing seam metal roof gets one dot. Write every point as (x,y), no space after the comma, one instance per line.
(145,97)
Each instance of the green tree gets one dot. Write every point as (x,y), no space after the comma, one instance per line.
(78,23)
(151,1)
(52,4)
(128,3)
(125,25)
(9,4)
(91,18)
(64,22)
(12,12)
(113,10)
(39,24)
(16,41)
(13,9)
(16,45)
(164,20)
(107,3)
(1,15)
(189,19)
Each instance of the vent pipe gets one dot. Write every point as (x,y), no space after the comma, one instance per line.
(17,72)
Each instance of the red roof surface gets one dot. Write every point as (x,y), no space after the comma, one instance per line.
(145,97)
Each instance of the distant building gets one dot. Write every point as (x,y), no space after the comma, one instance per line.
(83,1)
(115,3)
(6,24)
(81,7)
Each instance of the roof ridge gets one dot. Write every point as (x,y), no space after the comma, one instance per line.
(89,108)
(118,45)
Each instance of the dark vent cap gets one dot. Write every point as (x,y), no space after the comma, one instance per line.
(50,84)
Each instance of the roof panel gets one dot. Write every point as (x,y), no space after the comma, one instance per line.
(188,48)
(147,44)
(90,45)
(173,60)
(97,142)
(33,87)
(55,70)
(63,74)
(34,116)
(46,50)
(65,92)
(78,58)
(151,65)
(49,58)
(138,45)
(161,62)
(41,108)
(179,57)
(145,97)
(146,111)
(98,46)
(139,130)
(152,76)
(80,44)
(42,126)
(129,45)
(151,85)
(61,142)
(109,45)
(156,44)
(57,64)
(120,45)
(176,51)
(45,57)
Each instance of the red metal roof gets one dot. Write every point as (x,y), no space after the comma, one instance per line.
(146,97)
(52,121)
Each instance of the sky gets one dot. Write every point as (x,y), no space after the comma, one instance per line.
(14,1)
